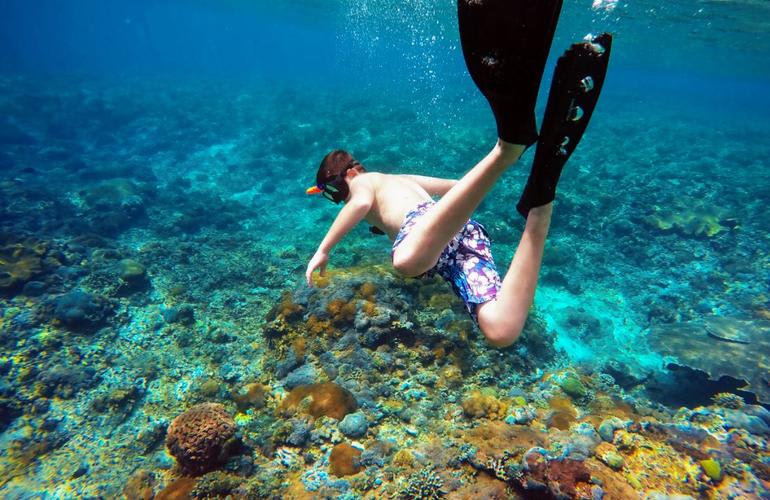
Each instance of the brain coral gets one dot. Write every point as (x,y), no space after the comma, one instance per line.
(197,438)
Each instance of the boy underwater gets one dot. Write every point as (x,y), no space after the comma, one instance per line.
(505,44)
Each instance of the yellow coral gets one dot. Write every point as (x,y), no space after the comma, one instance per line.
(403,458)
(478,404)
(20,260)
(692,221)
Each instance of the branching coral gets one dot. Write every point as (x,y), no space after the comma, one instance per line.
(424,485)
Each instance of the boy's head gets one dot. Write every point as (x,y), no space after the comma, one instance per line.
(332,172)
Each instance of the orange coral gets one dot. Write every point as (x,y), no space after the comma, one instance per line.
(369,308)
(367,291)
(327,399)
(140,486)
(341,311)
(287,309)
(318,327)
(564,413)
(179,489)
(197,438)
(493,438)
(299,345)
(478,404)
(343,460)
(250,396)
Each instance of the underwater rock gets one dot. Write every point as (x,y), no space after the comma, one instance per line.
(65,381)
(741,356)
(183,315)
(377,454)
(198,438)
(10,410)
(608,427)
(304,375)
(737,419)
(81,311)
(300,432)
(133,276)
(289,362)
(354,425)
(115,205)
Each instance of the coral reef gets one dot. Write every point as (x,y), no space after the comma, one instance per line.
(198,438)
(151,260)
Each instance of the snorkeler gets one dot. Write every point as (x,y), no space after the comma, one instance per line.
(505,45)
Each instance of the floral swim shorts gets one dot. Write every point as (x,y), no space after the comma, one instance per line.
(466,262)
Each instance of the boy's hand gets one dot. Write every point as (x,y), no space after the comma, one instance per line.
(319,261)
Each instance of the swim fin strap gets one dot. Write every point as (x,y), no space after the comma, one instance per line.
(505,45)
(577,83)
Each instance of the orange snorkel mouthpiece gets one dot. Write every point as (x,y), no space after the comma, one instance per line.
(314,190)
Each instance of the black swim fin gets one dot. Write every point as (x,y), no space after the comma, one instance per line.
(505,45)
(577,83)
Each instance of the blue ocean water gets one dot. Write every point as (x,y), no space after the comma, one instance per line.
(155,232)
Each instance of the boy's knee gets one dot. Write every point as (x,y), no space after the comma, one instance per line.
(409,264)
(503,339)
(501,335)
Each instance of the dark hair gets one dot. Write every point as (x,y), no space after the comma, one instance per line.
(336,163)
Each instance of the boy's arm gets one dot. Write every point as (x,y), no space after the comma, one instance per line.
(433,185)
(355,209)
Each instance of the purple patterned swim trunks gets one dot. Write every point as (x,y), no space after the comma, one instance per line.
(466,262)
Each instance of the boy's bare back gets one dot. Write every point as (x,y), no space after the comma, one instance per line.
(392,196)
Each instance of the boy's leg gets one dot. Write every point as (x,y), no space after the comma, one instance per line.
(574,93)
(505,45)
(501,320)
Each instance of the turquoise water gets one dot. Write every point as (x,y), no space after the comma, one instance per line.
(155,234)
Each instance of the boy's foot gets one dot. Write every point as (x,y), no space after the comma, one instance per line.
(506,44)
(577,83)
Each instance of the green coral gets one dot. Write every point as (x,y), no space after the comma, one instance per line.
(572,386)
(712,469)
(698,220)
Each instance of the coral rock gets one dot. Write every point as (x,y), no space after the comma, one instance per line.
(343,460)
(198,437)
(327,399)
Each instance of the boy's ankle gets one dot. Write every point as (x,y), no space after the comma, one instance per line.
(509,152)
(539,218)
